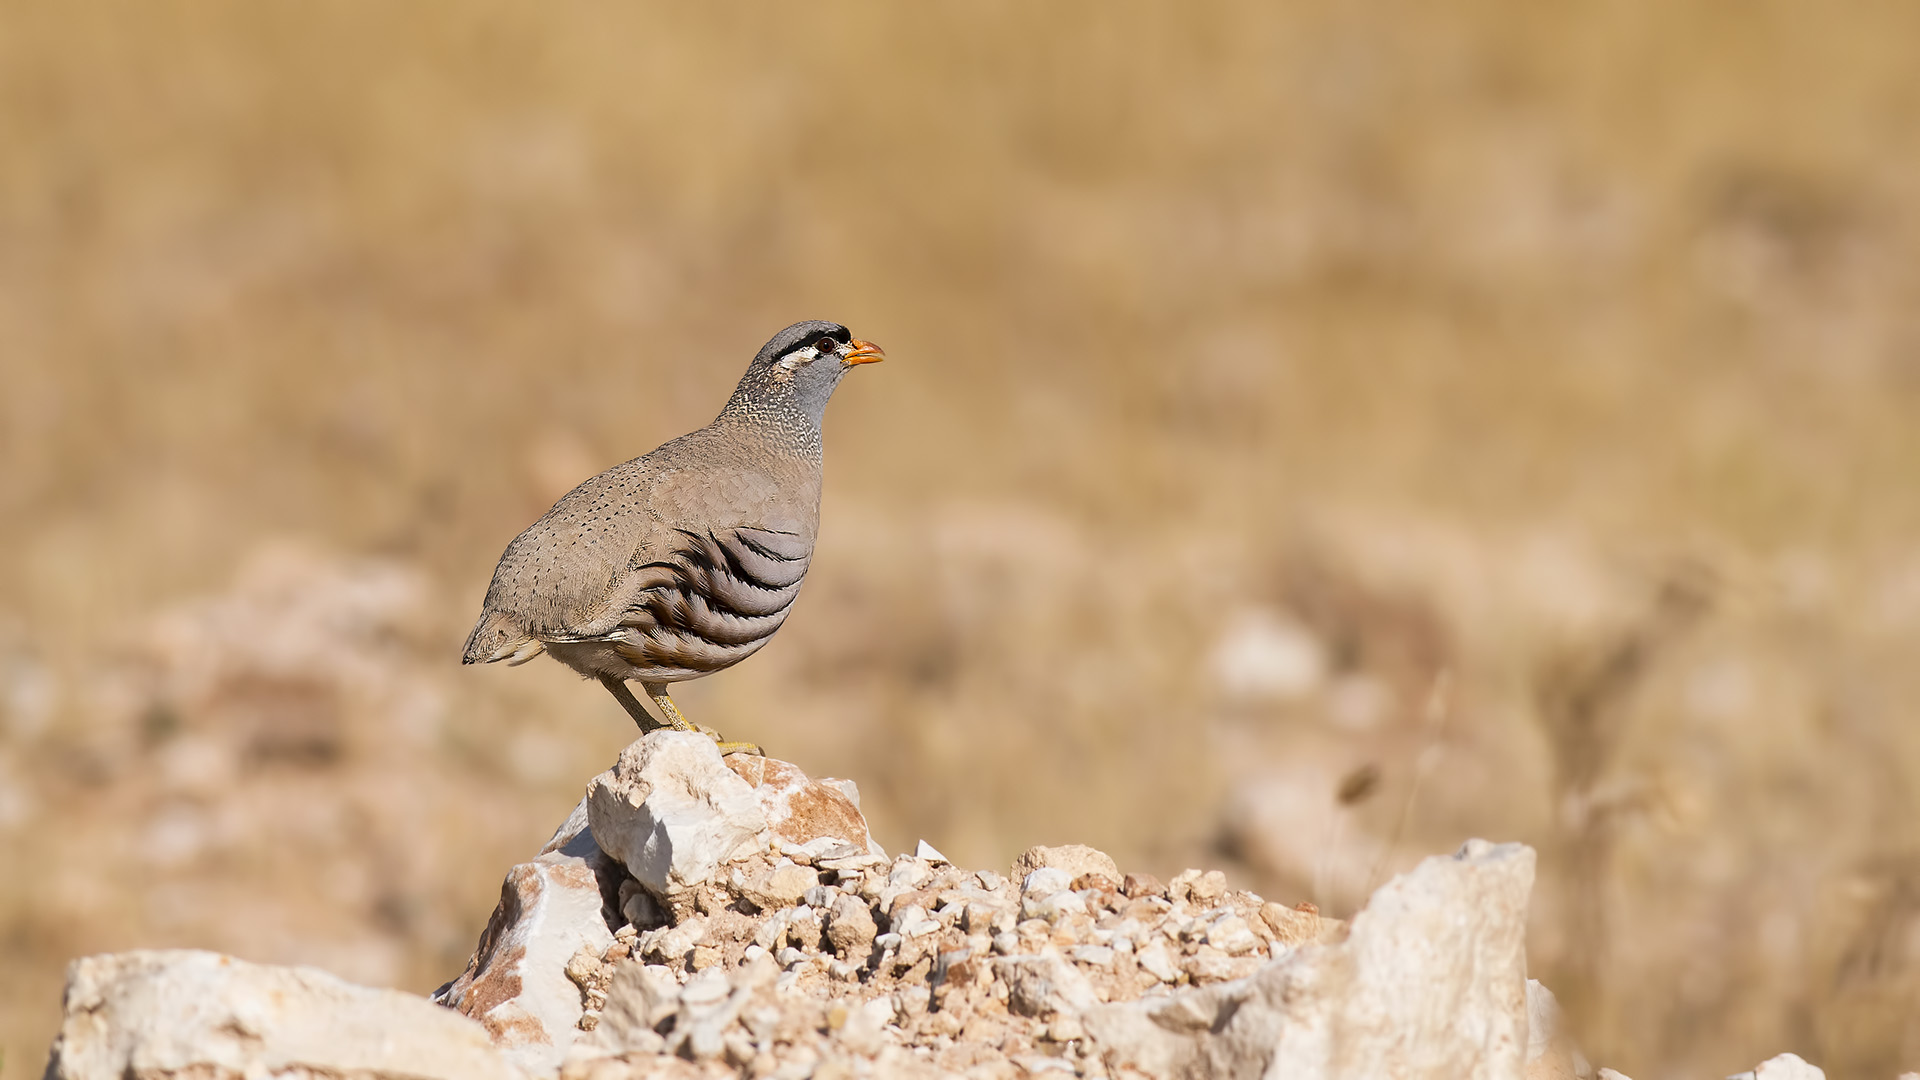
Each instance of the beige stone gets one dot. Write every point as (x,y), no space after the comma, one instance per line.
(1551,1054)
(550,911)
(1075,859)
(672,812)
(779,887)
(191,1015)
(1430,984)
(801,811)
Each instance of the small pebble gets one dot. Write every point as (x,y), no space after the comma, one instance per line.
(1052,907)
(770,932)
(983,917)
(1097,955)
(1046,881)
(909,874)
(1230,934)
(1197,887)
(1157,960)
(706,988)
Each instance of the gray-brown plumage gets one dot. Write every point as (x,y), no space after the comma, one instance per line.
(685,561)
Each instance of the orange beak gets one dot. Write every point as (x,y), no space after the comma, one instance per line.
(864,352)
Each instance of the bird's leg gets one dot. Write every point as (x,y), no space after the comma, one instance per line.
(618,688)
(658,692)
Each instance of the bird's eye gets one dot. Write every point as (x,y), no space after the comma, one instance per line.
(827,345)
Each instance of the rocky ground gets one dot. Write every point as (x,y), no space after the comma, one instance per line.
(700,916)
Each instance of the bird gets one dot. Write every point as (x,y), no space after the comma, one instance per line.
(686,560)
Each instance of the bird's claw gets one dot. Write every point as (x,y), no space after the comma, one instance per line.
(730,746)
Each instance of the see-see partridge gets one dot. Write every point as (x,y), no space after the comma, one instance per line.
(685,561)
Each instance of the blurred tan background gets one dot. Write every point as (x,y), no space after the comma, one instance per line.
(1315,434)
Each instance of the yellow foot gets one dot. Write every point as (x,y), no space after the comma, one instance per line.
(658,692)
(729,746)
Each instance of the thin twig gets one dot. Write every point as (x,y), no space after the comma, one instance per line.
(1439,708)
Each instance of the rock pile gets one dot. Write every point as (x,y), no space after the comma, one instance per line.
(707,917)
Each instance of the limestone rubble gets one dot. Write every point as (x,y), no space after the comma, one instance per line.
(812,953)
(159,1015)
(707,917)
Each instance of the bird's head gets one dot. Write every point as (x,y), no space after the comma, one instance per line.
(803,363)
(815,350)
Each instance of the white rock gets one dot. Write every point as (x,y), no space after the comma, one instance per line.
(1157,960)
(1609,1074)
(1097,955)
(1231,935)
(911,920)
(1075,859)
(1052,907)
(930,853)
(672,943)
(516,984)
(850,928)
(803,927)
(1551,1054)
(814,850)
(865,1030)
(987,916)
(185,1012)
(773,931)
(1452,931)
(1046,881)
(782,887)
(1543,1019)
(671,812)
(706,988)
(1201,887)
(1044,985)
(1782,1067)
(1431,982)
(908,873)
(802,811)
(638,1000)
